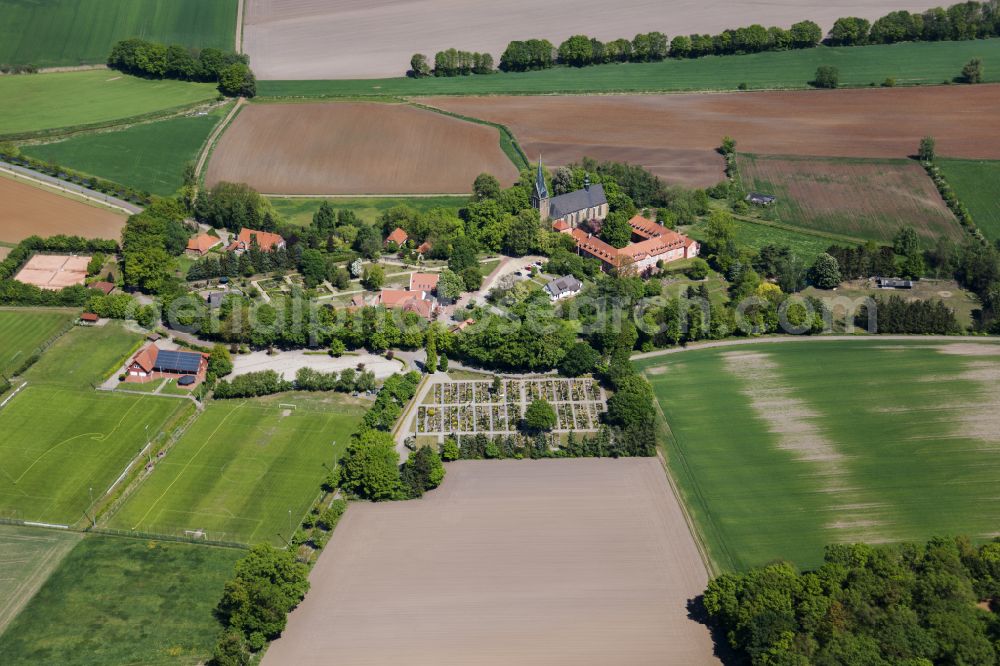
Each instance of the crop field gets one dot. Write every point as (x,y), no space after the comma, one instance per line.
(27,557)
(41,103)
(780,449)
(245,471)
(657,130)
(920,63)
(149,157)
(301,210)
(302,39)
(590,560)
(82,32)
(123,601)
(866,199)
(977,184)
(356,148)
(30,210)
(22,331)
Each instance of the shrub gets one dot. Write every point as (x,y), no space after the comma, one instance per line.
(826,77)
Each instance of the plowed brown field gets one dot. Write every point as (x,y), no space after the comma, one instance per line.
(356,148)
(675,136)
(584,562)
(34,211)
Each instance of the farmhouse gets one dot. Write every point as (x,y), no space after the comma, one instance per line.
(426,282)
(155,363)
(407,301)
(199,245)
(572,208)
(398,236)
(758,199)
(652,243)
(564,287)
(266,241)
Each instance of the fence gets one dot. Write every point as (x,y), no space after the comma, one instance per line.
(157,536)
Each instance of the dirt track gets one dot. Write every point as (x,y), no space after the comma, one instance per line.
(552,562)
(356,148)
(343,39)
(676,135)
(29,210)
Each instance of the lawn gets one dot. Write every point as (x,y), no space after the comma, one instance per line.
(28,556)
(124,601)
(857,198)
(977,184)
(806,246)
(85,357)
(300,211)
(22,331)
(246,470)
(912,63)
(79,32)
(148,157)
(780,449)
(37,104)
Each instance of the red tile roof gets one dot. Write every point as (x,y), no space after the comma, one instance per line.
(103,287)
(410,301)
(560,225)
(89,316)
(398,236)
(146,359)
(266,241)
(424,281)
(425,247)
(202,243)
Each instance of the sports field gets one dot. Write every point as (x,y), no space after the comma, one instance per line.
(27,557)
(149,157)
(42,102)
(23,330)
(859,198)
(80,32)
(246,470)
(123,601)
(912,63)
(85,357)
(301,210)
(780,449)
(977,184)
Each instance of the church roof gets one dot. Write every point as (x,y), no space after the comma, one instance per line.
(571,202)
(541,191)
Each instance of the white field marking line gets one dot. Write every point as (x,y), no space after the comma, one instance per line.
(127,468)
(11,396)
(18,174)
(58,527)
(187,464)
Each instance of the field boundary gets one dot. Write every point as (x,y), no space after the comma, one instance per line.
(209,146)
(508,142)
(63,190)
(800,230)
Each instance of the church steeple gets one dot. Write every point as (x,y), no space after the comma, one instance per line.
(541,191)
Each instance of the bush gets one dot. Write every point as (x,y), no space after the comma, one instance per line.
(423,471)
(826,77)
(330,517)
(698,270)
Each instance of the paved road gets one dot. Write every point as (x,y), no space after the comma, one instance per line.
(93,195)
(814,338)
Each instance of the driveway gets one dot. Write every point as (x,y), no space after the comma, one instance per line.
(287,363)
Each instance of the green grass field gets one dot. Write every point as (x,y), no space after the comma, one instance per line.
(977,184)
(780,449)
(94,98)
(242,467)
(856,198)
(914,63)
(300,211)
(28,556)
(81,32)
(23,330)
(149,157)
(85,357)
(749,234)
(123,601)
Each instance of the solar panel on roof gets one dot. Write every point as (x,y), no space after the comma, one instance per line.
(175,361)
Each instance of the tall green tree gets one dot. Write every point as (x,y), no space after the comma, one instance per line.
(540,416)
(370,468)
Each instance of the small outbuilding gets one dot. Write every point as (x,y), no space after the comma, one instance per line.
(89,318)
(759,199)
(893,283)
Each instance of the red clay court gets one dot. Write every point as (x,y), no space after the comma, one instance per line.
(54,271)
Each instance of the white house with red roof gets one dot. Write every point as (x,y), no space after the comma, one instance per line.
(265,240)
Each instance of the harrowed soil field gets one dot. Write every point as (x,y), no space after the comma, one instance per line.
(242,467)
(28,555)
(977,184)
(676,136)
(781,449)
(356,148)
(123,601)
(31,210)
(860,198)
(580,561)
(78,32)
(23,330)
(306,39)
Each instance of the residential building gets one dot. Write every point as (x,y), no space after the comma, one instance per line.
(398,236)
(652,243)
(408,301)
(198,246)
(265,240)
(426,282)
(564,287)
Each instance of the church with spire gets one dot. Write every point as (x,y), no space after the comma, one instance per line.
(570,210)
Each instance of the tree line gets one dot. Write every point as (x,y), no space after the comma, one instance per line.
(154,60)
(269,382)
(909,604)
(451,62)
